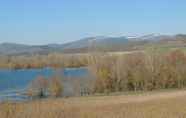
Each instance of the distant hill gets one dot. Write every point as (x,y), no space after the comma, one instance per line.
(18,49)
(83,45)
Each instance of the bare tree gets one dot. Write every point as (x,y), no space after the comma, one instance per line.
(55,86)
(38,87)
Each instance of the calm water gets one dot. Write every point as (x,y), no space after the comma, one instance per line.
(14,81)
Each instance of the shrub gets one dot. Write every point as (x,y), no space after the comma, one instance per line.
(55,86)
(38,87)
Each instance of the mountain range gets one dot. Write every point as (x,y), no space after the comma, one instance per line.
(81,45)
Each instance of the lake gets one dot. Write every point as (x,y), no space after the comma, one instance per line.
(13,82)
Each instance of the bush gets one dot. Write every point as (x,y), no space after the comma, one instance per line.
(38,87)
(55,86)
(42,87)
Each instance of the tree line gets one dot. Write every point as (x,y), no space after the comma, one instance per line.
(139,71)
(55,60)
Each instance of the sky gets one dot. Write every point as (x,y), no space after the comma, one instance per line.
(60,21)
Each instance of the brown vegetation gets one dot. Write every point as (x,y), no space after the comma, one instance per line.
(55,60)
(44,87)
(147,105)
(114,73)
(139,71)
(38,87)
(55,86)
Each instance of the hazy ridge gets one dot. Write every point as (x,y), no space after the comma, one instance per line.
(82,45)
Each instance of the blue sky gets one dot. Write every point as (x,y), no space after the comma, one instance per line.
(60,21)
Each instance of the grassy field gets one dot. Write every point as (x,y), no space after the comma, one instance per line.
(166,104)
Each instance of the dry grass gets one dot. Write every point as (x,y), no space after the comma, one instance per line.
(146,105)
